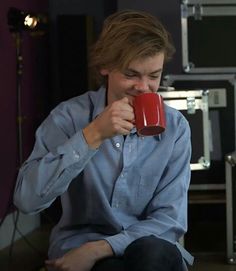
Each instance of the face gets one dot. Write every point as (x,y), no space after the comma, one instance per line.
(142,75)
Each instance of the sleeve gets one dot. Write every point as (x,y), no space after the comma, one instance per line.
(166,214)
(56,159)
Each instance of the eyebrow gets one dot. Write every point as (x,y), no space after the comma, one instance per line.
(157,71)
(134,71)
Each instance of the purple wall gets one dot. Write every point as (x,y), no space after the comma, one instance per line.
(34,94)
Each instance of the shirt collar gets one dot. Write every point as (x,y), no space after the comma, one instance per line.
(99,101)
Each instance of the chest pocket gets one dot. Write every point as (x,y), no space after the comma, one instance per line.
(145,191)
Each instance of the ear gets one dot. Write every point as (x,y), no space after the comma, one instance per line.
(104,72)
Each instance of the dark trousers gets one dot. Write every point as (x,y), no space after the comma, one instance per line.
(145,254)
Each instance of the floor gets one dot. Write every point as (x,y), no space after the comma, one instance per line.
(205,239)
(211,262)
(29,254)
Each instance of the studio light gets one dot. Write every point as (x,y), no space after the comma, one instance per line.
(30,21)
(19,20)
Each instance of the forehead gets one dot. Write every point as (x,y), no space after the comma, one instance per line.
(147,64)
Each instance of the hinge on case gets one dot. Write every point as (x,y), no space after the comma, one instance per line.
(231,160)
(197,11)
(189,67)
(204,162)
(191,105)
(184,11)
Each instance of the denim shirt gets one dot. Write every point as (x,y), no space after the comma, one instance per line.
(127,188)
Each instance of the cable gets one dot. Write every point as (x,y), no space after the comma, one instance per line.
(5,214)
(9,205)
(13,238)
(41,254)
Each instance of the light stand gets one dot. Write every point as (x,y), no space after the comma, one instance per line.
(19,71)
(19,21)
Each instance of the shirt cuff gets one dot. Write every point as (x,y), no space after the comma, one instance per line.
(76,149)
(120,241)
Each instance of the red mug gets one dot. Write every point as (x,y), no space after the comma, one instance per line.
(149,114)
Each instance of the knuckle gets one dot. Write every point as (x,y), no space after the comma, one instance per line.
(116,127)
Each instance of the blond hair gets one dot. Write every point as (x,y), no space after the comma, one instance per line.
(128,35)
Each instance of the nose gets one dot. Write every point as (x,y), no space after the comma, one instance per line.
(141,85)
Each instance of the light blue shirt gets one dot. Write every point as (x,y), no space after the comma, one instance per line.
(125,189)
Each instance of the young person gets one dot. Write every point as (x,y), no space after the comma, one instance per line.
(124,197)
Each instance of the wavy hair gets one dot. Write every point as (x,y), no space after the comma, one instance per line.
(129,35)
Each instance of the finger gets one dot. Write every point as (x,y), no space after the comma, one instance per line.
(126,127)
(125,100)
(53,263)
(124,104)
(124,131)
(49,262)
(127,115)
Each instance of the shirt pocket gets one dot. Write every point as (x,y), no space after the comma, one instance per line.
(145,191)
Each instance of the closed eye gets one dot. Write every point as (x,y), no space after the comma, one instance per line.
(130,74)
(153,77)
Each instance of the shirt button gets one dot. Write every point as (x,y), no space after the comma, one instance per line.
(117,144)
(76,155)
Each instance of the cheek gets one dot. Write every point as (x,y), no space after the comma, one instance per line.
(154,85)
(124,83)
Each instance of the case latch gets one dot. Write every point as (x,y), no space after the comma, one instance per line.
(197,11)
(231,159)
(204,162)
(191,105)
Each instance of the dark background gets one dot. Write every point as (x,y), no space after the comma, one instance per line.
(35,88)
(55,68)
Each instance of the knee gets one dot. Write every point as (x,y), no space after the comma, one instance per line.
(150,253)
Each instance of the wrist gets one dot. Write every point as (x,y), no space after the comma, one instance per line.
(92,136)
(101,249)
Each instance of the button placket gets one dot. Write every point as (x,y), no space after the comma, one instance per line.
(117,142)
(119,191)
